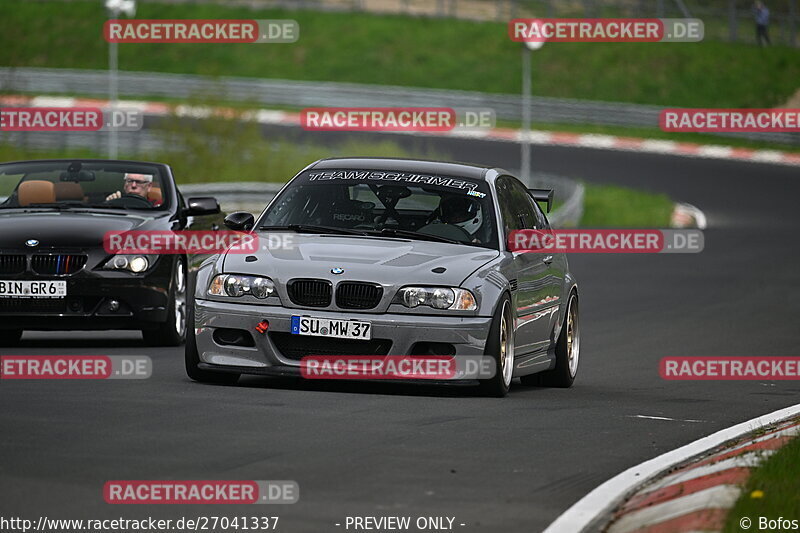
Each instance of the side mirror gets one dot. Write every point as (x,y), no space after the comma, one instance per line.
(240,221)
(202,205)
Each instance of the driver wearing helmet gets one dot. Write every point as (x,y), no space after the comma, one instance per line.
(462,212)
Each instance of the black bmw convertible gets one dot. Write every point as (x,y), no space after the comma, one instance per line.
(55,273)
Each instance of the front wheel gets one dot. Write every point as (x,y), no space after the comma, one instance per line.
(568,349)
(500,346)
(173,331)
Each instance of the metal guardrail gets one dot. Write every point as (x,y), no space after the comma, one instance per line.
(307,94)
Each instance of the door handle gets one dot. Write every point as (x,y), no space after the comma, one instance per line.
(547,259)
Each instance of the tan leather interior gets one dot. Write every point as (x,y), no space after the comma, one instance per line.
(155,194)
(36,192)
(68,190)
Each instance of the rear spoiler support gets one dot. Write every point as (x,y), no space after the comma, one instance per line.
(543,195)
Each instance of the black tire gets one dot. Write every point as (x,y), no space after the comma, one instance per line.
(192,358)
(169,333)
(498,385)
(563,375)
(10,337)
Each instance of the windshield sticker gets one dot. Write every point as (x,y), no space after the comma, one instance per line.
(394,176)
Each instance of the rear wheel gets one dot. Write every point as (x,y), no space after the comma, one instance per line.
(500,346)
(10,337)
(568,349)
(173,331)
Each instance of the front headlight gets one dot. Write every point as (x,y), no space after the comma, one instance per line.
(135,263)
(235,285)
(437,297)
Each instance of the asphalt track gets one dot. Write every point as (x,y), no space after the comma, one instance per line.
(510,464)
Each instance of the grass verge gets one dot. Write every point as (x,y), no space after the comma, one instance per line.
(772,492)
(410,51)
(609,206)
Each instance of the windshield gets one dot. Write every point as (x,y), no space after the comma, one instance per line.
(81,184)
(399,204)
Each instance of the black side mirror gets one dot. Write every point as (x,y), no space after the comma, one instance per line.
(240,221)
(201,205)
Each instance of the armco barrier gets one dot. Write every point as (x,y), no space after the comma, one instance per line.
(333,94)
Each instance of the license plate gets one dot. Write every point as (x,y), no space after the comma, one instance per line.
(326,327)
(33,289)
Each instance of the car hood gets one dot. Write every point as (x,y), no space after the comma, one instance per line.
(385,261)
(55,229)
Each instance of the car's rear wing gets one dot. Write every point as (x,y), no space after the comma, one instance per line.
(543,195)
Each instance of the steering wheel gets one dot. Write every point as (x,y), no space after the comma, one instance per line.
(131,200)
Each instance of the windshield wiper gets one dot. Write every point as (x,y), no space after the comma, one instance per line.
(308,228)
(392,232)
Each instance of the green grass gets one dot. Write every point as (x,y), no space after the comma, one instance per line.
(410,51)
(607,206)
(778,479)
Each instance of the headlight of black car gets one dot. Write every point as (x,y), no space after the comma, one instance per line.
(135,263)
(436,297)
(235,285)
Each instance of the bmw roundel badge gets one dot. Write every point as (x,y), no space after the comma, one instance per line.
(337,270)
(31,243)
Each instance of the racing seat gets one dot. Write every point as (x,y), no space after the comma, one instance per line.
(36,192)
(347,214)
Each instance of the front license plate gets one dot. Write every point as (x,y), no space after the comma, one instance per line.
(326,327)
(33,289)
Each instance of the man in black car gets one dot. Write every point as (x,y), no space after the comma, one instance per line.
(135,184)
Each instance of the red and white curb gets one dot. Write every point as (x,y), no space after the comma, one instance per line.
(696,497)
(549,138)
(687,216)
(688,489)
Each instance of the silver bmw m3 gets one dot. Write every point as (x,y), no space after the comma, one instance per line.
(377,257)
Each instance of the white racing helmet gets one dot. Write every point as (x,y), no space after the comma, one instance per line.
(463,212)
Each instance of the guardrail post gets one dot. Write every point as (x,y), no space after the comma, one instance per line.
(732,21)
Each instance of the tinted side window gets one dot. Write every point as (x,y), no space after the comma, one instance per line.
(516,206)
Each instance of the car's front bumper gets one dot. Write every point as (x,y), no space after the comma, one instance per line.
(467,335)
(96,300)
